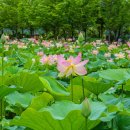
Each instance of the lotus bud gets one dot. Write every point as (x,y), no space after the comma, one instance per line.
(86,110)
(33,60)
(80,38)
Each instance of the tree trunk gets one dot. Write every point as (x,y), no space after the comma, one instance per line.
(31,31)
(2,31)
(109,36)
(101,31)
(85,32)
(22,32)
(16,32)
(54,32)
(64,34)
(119,33)
(72,31)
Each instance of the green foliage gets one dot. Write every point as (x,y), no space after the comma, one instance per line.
(97,86)
(69,118)
(32,96)
(66,18)
(53,86)
(17,98)
(115,74)
(123,119)
(41,101)
(4,90)
(26,81)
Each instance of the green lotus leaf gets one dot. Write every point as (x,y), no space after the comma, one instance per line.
(53,86)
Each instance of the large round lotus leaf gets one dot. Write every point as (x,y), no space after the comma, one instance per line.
(63,115)
(115,74)
(96,86)
(123,121)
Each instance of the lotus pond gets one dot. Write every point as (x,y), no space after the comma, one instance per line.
(56,85)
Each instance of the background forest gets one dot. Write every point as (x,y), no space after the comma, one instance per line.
(109,19)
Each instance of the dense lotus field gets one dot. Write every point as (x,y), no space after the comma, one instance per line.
(56,85)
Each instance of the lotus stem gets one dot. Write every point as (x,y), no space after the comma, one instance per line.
(97,97)
(71,83)
(2,60)
(1,113)
(1,100)
(86,123)
(122,91)
(83,88)
(31,66)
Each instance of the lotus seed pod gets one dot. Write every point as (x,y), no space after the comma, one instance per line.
(86,110)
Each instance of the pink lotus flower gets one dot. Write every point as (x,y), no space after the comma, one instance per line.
(6,47)
(71,66)
(46,44)
(115,43)
(55,58)
(110,60)
(128,51)
(107,54)
(98,41)
(120,55)
(77,47)
(58,45)
(33,40)
(95,52)
(14,42)
(47,60)
(128,56)
(69,39)
(111,47)
(94,44)
(40,53)
(21,45)
(128,43)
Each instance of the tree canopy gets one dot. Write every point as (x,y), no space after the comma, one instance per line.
(66,18)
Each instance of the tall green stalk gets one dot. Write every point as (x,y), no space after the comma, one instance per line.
(2,62)
(1,113)
(71,83)
(122,91)
(33,62)
(86,123)
(1,100)
(83,88)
